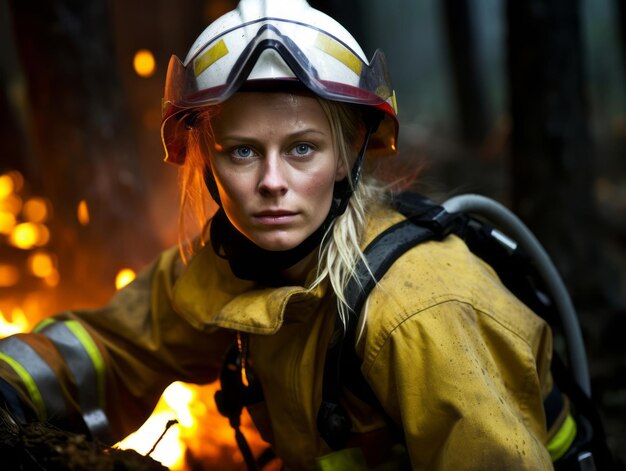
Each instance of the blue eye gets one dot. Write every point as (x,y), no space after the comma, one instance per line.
(242,152)
(302,149)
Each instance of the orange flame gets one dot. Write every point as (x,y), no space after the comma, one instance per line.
(82,213)
(9,275)
(6,186)
(35,210)
(28,235)
(16,325)
(123,277)
(170,451)
(144,63)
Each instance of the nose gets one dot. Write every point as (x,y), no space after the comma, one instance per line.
(273,179)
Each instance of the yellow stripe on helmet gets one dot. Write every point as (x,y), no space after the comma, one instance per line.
(339,52)
(208,58)
(394,102)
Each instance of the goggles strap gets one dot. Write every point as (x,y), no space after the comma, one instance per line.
(345,188)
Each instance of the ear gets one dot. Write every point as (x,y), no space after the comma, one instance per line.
(342,171)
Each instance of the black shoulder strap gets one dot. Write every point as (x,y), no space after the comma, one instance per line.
(425,221)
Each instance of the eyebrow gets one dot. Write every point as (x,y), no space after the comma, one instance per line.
(295,135)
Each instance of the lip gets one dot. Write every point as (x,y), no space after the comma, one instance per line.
(275,216)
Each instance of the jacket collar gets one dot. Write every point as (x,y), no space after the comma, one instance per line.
(208,295)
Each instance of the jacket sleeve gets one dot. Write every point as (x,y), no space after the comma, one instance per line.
(103,370)
(467,390)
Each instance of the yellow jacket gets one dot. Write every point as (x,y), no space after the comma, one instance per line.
(455,360)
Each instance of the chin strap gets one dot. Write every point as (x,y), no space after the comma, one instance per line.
(248,261)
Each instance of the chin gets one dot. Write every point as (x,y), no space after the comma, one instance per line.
(277,244)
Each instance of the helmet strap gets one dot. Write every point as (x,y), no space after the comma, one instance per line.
(248,261)
(345,188)
(209,181)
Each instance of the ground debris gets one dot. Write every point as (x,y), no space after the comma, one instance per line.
(39,447)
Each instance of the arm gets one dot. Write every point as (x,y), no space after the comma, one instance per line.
(103,370)
(466,389)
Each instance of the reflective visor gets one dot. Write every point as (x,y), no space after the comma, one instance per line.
(323,63)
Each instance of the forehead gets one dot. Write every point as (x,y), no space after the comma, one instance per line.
(270,109)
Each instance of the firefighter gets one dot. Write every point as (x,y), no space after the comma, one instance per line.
(277,116)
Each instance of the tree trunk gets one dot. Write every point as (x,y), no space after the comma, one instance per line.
(82,139)
(621,24)
(15,149)
(551,149)
(465,65)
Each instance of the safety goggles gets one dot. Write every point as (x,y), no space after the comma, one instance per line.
(323,63)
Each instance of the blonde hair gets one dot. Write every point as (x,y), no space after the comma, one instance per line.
(341,248)
(341,245)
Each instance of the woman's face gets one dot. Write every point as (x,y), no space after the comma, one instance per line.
(275,166)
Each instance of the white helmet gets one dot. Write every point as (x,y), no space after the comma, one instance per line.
(275,40)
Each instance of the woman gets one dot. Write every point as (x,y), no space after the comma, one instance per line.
(275,113)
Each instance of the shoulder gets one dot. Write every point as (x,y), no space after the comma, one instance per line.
(440,286)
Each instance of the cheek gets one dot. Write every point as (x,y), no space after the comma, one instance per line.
(230,187)
(318,187)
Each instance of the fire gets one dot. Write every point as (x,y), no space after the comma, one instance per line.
(36,210)
(9,276)
(16,325)
(82,212)
(6,186)
(170,450)
(7,222)
(22,222)
(123,277)
(28,235)
(144,63)
(201,438)
(40,264)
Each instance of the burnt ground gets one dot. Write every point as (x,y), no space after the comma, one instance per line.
(37,446)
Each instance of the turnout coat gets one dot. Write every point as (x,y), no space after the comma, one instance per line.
(460,366)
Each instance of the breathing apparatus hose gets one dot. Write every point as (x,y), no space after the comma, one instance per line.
(506,221)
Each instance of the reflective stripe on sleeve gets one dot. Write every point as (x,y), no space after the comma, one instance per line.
(563,439)
(37,376)
(87,367)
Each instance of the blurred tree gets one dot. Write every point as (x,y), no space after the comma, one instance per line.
(83,143)
(621,19)
(15,153)
(466,70)
(347,12)
(551,149)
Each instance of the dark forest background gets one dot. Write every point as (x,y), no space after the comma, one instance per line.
(521,100)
